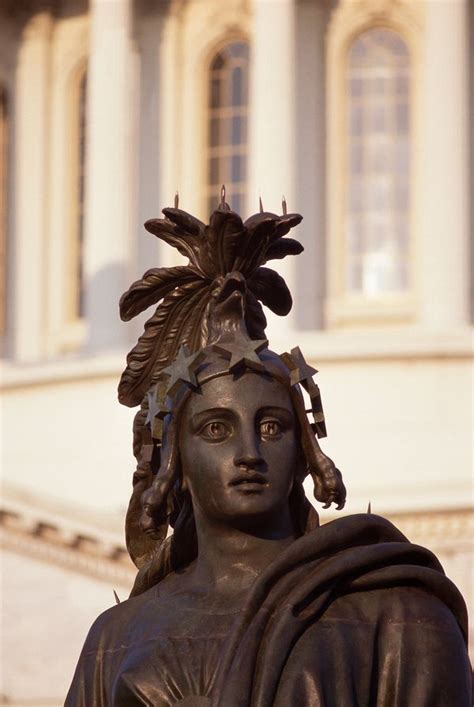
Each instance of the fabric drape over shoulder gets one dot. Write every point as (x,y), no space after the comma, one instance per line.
(350,614)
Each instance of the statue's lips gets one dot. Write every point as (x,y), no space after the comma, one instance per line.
(249,482)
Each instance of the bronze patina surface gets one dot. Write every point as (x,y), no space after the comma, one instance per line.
(248,602)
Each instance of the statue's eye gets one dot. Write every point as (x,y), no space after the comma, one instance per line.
(215,430)
(270,428)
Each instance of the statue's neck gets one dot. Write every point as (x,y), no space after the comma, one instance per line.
(231,557)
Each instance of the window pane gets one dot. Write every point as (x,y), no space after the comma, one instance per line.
(215,93)
(402,157)
(401,84)
(238,167)
(356,159)
(238,130)
(214,170)
(238,50)
(212,204)
(356,196)
(381,85)
(236,202)
(218,62)
(356,120)
(402,118)
(379,160)
(356,87)
(237,93)
(379,122)
(214,126)
(378,168)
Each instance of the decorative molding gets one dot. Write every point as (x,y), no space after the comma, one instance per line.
(351,17)
(322,346)
(32,533)
(22,9)
(74,558)
(449,531)
(446,530)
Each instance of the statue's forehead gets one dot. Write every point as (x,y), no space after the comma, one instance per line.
(248,391)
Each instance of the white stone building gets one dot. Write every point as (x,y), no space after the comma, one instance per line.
(358,112)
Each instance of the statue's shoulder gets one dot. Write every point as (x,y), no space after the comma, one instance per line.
(116,622)
(402,605)
(378,575)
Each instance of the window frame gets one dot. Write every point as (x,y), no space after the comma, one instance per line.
(69,58)
(208,68)
(71,329)
(191,36)
(342,307)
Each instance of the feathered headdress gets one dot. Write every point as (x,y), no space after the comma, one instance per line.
(187,292)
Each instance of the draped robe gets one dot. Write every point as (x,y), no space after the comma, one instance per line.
(350,614)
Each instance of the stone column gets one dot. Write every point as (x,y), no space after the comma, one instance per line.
(309,290)
(442,257)
(31,165)
(110,171)
(272,107)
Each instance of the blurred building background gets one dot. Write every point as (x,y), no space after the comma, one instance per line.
(358,112)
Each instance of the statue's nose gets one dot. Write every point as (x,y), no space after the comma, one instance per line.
(248,453)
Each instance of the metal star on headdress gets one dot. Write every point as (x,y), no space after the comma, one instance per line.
(302,372)
(157,411)
(146,452)
(318,416)
(182,370)
(242,351)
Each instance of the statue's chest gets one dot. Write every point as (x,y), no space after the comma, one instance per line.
(175,658)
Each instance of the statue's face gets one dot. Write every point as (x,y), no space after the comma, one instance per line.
(238,448)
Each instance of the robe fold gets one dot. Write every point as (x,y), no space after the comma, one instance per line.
(350,614)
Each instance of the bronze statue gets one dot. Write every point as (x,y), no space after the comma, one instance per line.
(248,602)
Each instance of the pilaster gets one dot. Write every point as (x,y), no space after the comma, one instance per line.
(272,120)
(443,229)
(31,151)
(110,169)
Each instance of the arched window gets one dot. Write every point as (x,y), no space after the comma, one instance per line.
(79,164)
(3,208)
(378,167)
(227,125)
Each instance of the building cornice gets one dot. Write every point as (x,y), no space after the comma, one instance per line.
(321,346)
(64,537)
(448,531)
